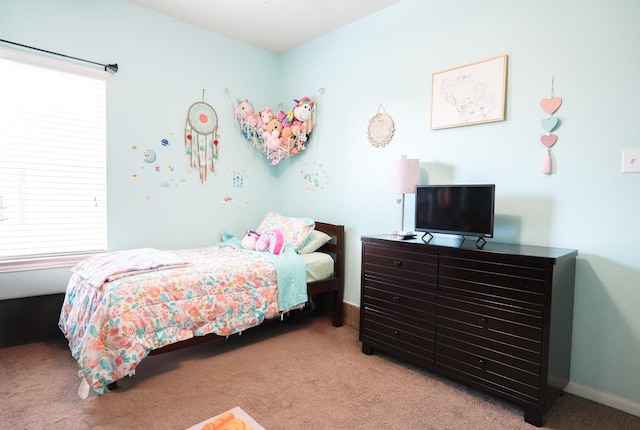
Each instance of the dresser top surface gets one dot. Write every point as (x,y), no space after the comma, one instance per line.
(470,245)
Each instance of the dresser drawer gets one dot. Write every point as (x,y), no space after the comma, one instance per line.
(511,330)
(508,280)
(528,369)
(487,369)
(401,338)
(410,300)
(380,260)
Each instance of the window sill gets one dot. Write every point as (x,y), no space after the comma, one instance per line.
(42,263)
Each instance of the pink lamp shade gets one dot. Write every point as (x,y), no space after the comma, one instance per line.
(405,175)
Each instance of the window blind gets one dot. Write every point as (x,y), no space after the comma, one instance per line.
(52,159)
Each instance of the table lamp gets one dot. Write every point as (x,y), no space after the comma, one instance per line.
(404,176)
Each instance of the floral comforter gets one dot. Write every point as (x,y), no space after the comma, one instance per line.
(113,326)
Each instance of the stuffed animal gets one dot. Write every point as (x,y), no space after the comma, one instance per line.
(264,117)
(303,108)
(247,117)
(287,132)
(300,120)
(249,239)
(244,109)
(271,135)
(271,240)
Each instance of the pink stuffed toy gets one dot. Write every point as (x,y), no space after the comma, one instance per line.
(249,240)
(264,117)
(271,240)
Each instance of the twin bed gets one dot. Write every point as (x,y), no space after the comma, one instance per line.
(122,306)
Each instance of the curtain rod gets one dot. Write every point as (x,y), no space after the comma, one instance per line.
(111,67)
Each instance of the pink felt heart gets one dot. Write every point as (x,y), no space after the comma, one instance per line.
(549,140)
(551,104)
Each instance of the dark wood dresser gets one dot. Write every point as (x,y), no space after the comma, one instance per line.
(497,318)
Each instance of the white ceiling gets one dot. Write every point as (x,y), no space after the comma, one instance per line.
(274,25)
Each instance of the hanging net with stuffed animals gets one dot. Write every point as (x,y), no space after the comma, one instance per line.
(277,134)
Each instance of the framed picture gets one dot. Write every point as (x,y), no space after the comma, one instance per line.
(471,94)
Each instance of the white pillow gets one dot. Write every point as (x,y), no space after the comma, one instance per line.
(314,242)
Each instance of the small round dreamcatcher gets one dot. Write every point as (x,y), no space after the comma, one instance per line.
(381,129)
(200,137)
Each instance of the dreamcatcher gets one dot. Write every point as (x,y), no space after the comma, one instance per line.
(200,137)
(277,134)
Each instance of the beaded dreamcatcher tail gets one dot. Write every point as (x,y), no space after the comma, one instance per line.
(201,137)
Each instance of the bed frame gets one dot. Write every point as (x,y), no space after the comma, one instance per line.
(333,285)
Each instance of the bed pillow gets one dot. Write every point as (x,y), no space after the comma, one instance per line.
(295,230)
(314,242)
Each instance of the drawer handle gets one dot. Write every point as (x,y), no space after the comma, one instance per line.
(396,298)
(482,363)
(396,332)
(397,263)
(483,320)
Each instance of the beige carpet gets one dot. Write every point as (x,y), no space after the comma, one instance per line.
(306,376)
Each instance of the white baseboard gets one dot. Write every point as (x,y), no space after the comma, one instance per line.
(604,398)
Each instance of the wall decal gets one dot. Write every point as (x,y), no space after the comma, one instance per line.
(238,179)
(153,168)
(149,155)
(315,177)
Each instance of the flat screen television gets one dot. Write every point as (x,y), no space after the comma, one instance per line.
(465,210)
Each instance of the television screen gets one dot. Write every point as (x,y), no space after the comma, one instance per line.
(465,210)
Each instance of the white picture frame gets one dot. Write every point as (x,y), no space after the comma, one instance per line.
(471,94)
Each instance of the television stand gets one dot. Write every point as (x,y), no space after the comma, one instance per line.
(480,242)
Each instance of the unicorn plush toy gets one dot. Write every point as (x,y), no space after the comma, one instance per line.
(271,240)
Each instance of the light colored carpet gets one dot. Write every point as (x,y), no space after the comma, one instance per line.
(306,376)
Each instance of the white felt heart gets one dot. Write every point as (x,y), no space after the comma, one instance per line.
(551,104)
(548,124)
(549,140)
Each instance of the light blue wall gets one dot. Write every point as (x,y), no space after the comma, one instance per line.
(164,67)
(590,48)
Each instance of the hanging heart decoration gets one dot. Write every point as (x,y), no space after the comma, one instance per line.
(551,104)
(548,124)
(549,140)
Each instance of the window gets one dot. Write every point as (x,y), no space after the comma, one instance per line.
(52,162)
